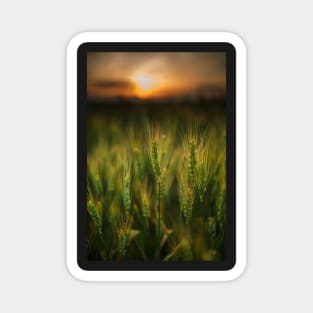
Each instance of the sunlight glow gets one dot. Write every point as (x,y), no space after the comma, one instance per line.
(145,83)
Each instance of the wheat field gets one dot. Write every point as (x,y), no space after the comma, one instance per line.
(156,187)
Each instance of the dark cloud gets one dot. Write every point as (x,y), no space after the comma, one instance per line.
(116,84)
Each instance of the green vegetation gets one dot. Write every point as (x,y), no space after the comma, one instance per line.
(156,187)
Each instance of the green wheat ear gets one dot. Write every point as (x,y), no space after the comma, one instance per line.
(192,164)
(126,188)
(155,159)
(185,196)
(139,164)
(123,238)
(95,216)
(188,205)
(202,183)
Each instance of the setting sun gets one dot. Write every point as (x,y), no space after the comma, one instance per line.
(145,84)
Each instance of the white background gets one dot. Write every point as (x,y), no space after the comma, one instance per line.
(33,274)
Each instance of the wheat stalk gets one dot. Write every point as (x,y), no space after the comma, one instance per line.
(126,187)
(212,230)
(192,164)
(155,161)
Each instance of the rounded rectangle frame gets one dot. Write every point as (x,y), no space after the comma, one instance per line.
(240,157)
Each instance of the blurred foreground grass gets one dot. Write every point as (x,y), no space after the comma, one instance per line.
(156,187)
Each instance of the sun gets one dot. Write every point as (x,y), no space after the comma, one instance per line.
(145,84)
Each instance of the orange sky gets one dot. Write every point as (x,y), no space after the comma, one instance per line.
(155,74)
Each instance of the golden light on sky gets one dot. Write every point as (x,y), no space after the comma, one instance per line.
(145,84)
(156,74)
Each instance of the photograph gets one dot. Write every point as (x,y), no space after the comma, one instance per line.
(156,156)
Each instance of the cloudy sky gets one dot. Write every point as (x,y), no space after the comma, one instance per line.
(156,74)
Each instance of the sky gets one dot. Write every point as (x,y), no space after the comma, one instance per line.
(156,74)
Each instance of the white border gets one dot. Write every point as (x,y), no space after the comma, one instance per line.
(73,267)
